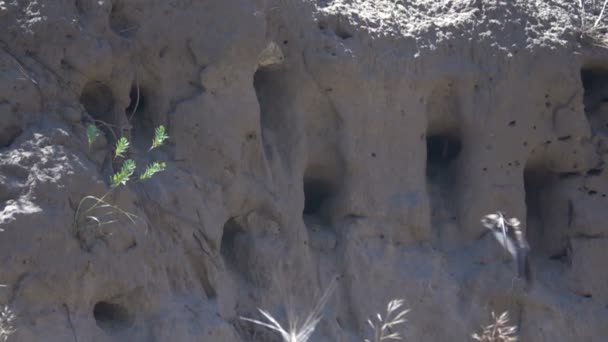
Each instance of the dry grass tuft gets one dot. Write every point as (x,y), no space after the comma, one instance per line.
(383,326)
(593,33)
(297,330)
(498,331)
(6,323)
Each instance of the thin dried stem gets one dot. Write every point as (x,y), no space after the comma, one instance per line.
(601,15)
(296,331)
(593,34)
(383,326)
(498,331)
(136,102)
(6,323)
(99,203)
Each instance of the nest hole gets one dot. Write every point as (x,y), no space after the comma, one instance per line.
(98,100)
(112,317)
(317,193)
(320,185)
(442,151)
(267,83)
(269,86)
(233,232)
(595,87)
(140,114)
(538,184)
(137,101)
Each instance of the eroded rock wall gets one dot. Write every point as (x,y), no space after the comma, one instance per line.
(363,139)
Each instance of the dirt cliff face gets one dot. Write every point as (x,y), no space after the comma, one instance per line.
(363,139)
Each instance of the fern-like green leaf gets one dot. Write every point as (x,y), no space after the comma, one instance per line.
(92,134)
(159,137)
(122,145)
(122,176)
(152,169)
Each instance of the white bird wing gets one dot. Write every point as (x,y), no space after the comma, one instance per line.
(505,242)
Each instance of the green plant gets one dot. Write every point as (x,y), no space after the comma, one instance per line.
(98,209)
(498,330)
(92,134)
(152,169)
(594,33)
(159,137)
(383,326)
(122,145)
(6,323)
(297,331)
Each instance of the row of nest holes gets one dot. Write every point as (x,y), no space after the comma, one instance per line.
(442,151)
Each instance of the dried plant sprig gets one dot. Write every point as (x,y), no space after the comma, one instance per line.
(6,323)
(100,204)
(296,331)
(498,331)
(593,33)
(601,15)
(383,326)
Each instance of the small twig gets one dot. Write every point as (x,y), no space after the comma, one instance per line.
(125,30)
(599,17)
(108,126)
(100,202)
(297,330)
(580,2)
(136,102)
(498,330)
(381,326)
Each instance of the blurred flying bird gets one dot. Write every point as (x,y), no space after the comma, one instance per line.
(510,236)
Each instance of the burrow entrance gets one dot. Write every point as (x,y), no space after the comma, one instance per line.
(270,89)
(112,317)
(442,151)
(320,189)
(143,113)
(546,236)
(233,247)
(98,100)
(317,195)
(595,85)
